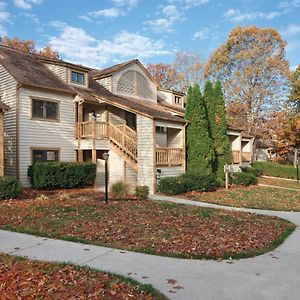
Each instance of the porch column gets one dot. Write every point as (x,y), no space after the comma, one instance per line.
(79,120)
(241,150)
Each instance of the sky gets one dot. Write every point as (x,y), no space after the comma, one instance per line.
(101,33)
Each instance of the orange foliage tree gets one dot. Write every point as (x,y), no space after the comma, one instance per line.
(29,46)
(253,70)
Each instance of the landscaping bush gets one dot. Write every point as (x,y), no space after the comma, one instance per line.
(251,170)
(187,183)
(52,175)
(243,178)
(119,189)
(142,192)
(9,188)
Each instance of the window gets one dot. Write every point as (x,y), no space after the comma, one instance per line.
(44,155)
(44,109)
(177,99)
(161,129)
(77,77)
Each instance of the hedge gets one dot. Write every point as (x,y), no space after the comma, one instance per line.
(9,188)
(243,178)
(186,183)
(53,175)
(251,170)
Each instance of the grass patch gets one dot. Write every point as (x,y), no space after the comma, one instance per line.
(66,281)
(280,182)
(254,197)
(166,229)
(275,169)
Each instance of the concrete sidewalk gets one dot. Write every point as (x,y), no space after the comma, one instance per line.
(274,275)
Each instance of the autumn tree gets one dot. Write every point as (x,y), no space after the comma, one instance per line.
(200,153)
(189,67)
(252,68)
(163,74)
(29,46)
(294,98)
(185,71)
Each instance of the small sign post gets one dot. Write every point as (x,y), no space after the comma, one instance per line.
(226,171)
(297,170)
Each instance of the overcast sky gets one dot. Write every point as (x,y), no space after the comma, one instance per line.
(100,33)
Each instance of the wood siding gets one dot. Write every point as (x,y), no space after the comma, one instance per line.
(116,168)
(8,96)
(130,177)
(43,134)
(175,138)
(170,171)
(60,71)
(116,116)
(1,144)
(161,139)
(134,67)
(106,82)
(146,135)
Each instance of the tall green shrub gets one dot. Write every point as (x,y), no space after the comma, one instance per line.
(200,153)
(220,137)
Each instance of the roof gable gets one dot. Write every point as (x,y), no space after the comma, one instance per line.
(119,67)
(26,69)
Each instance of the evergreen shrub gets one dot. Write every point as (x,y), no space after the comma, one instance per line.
(186,183)
(243,178)
(142,192)
(9,188)
(68,175)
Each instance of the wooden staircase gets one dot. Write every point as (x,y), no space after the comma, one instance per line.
(124,142)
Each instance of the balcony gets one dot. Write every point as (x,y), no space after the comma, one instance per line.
(238,157)
(92,130)
(246,156)
(169,156)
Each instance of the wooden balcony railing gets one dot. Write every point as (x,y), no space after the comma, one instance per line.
(235,157)
(127,130)
(126,143)
(169,156)
(246,156)
(92,129)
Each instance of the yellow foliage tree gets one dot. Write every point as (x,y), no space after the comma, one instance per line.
(253,70)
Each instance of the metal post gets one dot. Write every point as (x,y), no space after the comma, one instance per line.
(106,182)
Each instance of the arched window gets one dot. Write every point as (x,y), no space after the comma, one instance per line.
(134,83)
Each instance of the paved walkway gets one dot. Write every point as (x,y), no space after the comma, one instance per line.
(274,275)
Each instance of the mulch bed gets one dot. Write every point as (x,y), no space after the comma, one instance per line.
(145,226)
(26,280)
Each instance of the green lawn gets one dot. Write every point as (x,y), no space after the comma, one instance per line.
(157,228)
(275,169)
(280,182)
(254,197)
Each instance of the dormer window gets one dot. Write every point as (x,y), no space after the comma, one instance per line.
(77,77)
(177,99)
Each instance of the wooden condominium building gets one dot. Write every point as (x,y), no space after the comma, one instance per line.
(3,108)
(65,112)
